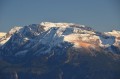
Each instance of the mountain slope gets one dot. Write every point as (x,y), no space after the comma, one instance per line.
(2,34)
(4,37)
(60,51)
(53,34)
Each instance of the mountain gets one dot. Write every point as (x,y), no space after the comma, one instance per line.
(59,51)
(4,37)
(2,34)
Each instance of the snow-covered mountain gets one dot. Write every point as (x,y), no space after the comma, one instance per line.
(59,51)
(2,34)
(54,34)
(4,37)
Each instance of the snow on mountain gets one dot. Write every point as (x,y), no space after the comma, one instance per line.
(3,41)
(59,51)
(49,35)
(14,29)
(107,41)
(2,34)
(113,33)
(6,36)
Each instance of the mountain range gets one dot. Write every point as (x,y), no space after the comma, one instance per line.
(59,51)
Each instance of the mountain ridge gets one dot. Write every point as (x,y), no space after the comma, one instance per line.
(59,51)
(78,35)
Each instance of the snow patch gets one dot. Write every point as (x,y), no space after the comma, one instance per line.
(2,34)
(113,33)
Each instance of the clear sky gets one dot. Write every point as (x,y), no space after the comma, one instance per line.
(102,15)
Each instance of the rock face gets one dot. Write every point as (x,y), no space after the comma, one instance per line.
(60,51)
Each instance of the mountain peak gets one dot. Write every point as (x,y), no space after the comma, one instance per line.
(14,29)
(113,33)
(51,24)
(59,51)
(54,34)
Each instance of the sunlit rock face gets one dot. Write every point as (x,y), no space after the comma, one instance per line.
(59,51)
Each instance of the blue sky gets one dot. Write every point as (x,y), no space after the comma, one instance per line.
(102,15)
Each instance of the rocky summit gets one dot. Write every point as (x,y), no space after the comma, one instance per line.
(59,51)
